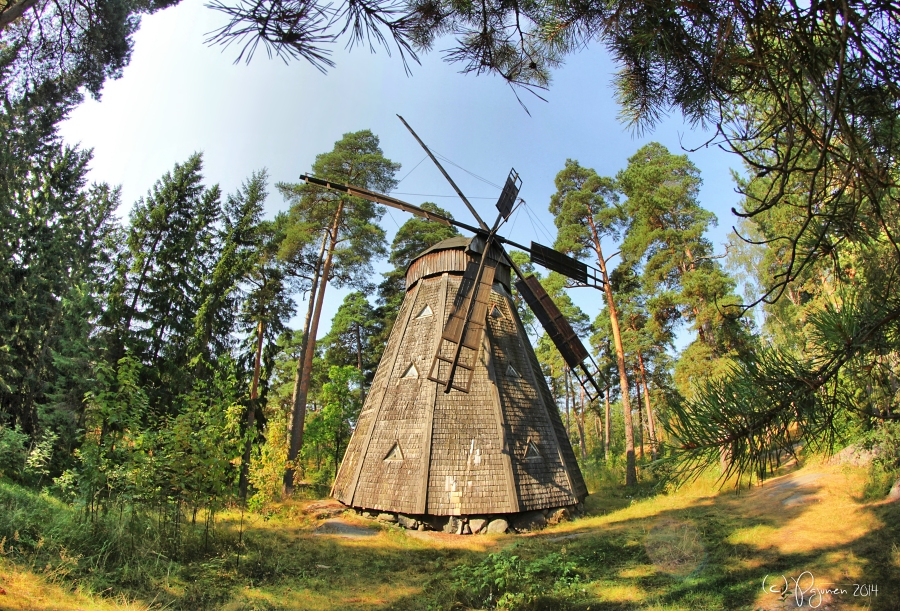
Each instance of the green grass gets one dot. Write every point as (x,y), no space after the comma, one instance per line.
(694,549)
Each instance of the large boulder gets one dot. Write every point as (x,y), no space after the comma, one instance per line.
(559,515)
(407,522)
(497,527)
(894,494)
(529,521)
(854,455)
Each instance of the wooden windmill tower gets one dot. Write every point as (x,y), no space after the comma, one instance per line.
(459,420)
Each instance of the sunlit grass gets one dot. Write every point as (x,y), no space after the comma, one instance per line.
(700,547)
(26,591)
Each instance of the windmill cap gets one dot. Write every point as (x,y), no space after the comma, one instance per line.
(451,256)
(454,243)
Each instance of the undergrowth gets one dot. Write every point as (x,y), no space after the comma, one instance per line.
(120,549)
(701,547)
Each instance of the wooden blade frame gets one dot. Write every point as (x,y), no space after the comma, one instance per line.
(560,331)
(455,351)
(461,339)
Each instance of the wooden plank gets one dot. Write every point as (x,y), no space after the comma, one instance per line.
(401,331)
(530,373)
(428,431)
(511,483)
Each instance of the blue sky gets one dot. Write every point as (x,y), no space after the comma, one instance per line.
(179,96)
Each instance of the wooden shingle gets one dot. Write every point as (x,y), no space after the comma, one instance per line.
(500,448)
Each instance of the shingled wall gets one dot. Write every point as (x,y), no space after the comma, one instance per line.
(500,448)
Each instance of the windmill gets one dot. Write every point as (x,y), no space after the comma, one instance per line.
(459,421)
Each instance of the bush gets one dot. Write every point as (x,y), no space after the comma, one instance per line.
(13,452)
(507,581)
(21,461)
(884,440)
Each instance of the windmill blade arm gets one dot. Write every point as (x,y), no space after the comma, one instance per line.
(582,273)
(387,200)
(459,192)
(557,327)
(561,333)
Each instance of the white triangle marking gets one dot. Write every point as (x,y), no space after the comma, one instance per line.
(425,313)
(395,454)
(411,372)
(531,452)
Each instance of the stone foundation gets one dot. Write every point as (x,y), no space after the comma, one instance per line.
(526,521)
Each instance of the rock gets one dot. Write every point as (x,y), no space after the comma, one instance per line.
(407,522)
(894,494)
(421,526)
(344,529)
(386,517)
(323,510)
(559,515)
(531,520)
(453,525)
(854,455)
(368,514)
(497,527)
(477,525)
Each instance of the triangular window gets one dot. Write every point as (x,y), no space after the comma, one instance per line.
(495,312)
(531,452)
(411,372)
(395,454)
(425,313)
(511,372)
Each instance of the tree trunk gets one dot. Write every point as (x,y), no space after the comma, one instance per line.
(302,391)
(630,469)
(244,481)
(637,390)
(359,366)
(11,13)
(607,425)
(651,420)
(298,411)
(579,421)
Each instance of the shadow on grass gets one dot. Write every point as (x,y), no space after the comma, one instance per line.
(714,561)
(669,552)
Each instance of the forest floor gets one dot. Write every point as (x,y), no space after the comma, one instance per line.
(772,547)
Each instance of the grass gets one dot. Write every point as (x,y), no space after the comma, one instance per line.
(696,549)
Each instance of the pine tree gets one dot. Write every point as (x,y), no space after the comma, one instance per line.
(53,258)
(350,239)
(172,248)
(585,213)
(665,240)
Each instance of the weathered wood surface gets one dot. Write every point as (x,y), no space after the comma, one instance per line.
(418,450)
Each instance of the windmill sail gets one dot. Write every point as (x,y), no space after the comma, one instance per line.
(560,332)
(579,271)
(509,194)
(461,339)
(500,449)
